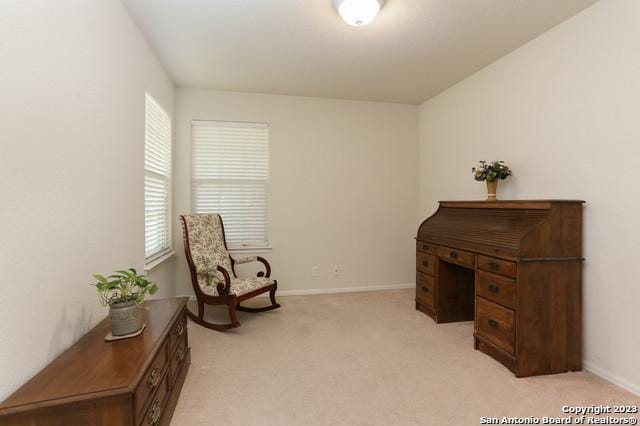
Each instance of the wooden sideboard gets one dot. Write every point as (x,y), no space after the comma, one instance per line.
(128,382)
(513,267)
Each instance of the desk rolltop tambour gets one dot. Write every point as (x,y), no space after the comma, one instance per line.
(129,382)
(525,261)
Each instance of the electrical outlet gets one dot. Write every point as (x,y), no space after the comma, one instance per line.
(315,271)
(336,270)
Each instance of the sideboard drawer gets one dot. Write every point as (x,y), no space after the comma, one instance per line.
(426,247)
(425,286)
(158,401)
(496,324)
(496,288)
(426,263)
(177,359)
(178,330)
(498,266)
(152,379)
(457,256)
(107,383)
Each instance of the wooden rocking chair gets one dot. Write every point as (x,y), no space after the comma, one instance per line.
(213,273)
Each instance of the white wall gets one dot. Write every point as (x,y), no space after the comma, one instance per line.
(72,80)
(564,112)
(343,185)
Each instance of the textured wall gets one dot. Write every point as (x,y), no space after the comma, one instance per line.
(563,112)
(342,191)
(72,80)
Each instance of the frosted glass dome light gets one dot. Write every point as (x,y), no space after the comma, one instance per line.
(358,12)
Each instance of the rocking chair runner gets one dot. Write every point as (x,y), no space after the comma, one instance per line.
(213,273)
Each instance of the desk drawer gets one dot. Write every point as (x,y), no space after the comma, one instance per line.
(496,324)
(425,286)
(457,256)
(152,379)
(497,266)
(426,247)
(426,263)
(496,288)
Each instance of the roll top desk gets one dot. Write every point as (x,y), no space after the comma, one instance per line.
(515,269)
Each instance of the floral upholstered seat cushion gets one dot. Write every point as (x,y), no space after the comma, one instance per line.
(208,251)
(240,286)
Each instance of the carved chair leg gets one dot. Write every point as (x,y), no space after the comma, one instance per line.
(200,310)
(274,304)
(272,297)
(232,313)
(199,317)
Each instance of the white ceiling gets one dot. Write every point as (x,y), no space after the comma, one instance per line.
(412,51)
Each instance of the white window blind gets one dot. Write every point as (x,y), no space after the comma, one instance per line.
(157,180)
(230,173)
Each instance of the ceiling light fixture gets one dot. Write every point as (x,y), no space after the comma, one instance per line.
(358,12)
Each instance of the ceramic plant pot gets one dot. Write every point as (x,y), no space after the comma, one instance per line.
(492,189)
(125,318)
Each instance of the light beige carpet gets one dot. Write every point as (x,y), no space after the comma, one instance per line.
(362,359)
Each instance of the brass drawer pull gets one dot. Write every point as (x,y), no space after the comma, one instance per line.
(180,329)
(180,354)
(425,264)
(453,255)
(494,288)
(154,413)
(425,289)
(154,378)
(494,266)
(492,323)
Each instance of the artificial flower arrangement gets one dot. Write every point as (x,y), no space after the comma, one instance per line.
(491,172)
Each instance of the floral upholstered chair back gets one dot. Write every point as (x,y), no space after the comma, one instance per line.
(206,244)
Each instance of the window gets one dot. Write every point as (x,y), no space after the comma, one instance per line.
(157,181)
(230,173)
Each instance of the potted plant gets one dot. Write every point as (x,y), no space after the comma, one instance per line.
(123,291)
(491,172)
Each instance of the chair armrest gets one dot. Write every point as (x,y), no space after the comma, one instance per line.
(224,288)
(242,260)
(266,273)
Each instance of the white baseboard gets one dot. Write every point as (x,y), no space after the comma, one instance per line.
(344,289)
(333,290)
(610,377)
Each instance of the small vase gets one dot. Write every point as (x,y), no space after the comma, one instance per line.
(492,189)
(125,318)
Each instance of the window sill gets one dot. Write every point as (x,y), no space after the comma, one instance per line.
(256,250)
(149,265)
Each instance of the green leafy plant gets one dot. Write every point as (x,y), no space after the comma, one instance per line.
(123,286)
(491,171)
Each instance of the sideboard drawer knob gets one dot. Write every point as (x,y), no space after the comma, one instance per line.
(494,288)
(454,255)
(180,354)
(180,329)
(425,264)
(492,323)
(154,378)
(494,266)
(154,415)
(425,289)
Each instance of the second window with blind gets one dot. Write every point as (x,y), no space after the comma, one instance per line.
(230,175)
(157,181)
